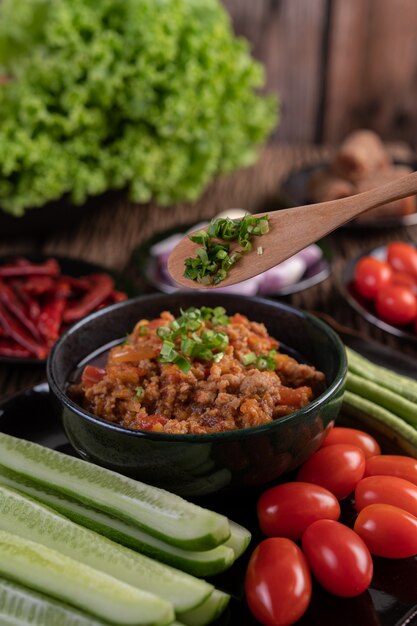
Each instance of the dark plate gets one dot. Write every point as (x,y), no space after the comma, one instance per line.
(70,267)
(294,192)
(392,598)
(53,216)
(365,307)
(144,264)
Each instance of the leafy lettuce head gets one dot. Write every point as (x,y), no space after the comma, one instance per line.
(153,96)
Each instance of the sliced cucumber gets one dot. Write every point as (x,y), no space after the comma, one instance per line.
(20,606)
(204,563)
(27,518)
(158,512)
(239,539)
(207,612)
(49,571)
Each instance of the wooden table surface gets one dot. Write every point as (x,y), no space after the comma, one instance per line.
(109,234)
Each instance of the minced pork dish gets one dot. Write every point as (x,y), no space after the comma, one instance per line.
(201,372)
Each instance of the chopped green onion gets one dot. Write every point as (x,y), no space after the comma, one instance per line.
(182,363)
(163,331)
(195,342)
(139,392)
(261,362)
(214,259)
(249,358)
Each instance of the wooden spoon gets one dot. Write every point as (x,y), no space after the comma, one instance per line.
(291,230)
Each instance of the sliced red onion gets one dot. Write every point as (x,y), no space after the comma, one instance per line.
(233,214)
(245,288)
(311,255)
(286,273)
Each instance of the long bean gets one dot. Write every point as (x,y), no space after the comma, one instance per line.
(402,407)
(403,385)
(382,420)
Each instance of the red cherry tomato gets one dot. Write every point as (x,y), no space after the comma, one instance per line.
(365,442)
(392,465)
(370,275)
(278,582)
(402,257)
(388,531)
(338,558)
(406,280)
(288,509)
(92,375)
(337,468)
(386,490)
(396,304)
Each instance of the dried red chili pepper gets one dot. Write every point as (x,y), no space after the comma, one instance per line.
(49,268)
(10,348)
(102,287)
(38,303)
(38,285)
(50,318)
(17,331)
(62,287)
(78,283)
(10,300)
(33,308)
(118,296)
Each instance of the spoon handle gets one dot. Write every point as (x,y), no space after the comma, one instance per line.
(337,212)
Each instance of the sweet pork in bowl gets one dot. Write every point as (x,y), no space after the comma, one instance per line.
(198,393)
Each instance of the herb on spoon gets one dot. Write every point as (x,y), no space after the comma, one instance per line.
(214,258)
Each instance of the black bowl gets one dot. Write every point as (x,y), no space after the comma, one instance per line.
(194,465)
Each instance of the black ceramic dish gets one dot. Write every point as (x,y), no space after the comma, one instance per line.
(200,464)
(295,193)
(147,266)
(55,215)
(365,307)
(392,597)
(70,267)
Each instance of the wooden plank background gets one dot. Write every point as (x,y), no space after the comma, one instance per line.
(336,64)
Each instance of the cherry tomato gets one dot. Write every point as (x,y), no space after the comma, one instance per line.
(92,375)
(370,275)
(388,531)
(278,582)
(338,558)
(365,442)
(337,468)
(406,280)
(392,465)
(286,510)
(386,490)
(402,257)
(396,304)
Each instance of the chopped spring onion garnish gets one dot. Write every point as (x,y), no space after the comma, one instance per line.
(194,340)
(261,362)
(214,259)
(260,250)
(139,392)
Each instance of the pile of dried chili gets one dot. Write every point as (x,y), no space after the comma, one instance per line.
(38,303)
